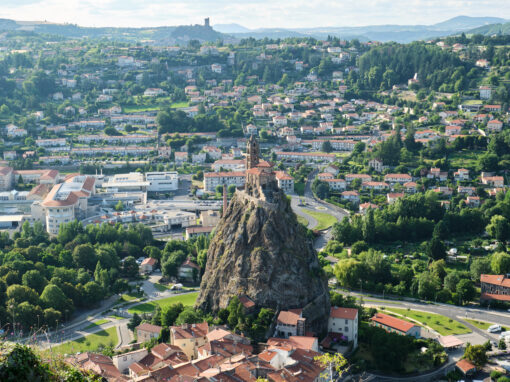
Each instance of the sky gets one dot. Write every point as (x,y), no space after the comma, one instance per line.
(249,13)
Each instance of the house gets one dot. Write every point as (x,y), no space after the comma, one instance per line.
(410,187)
(189,337)
(473,201)
(395,325)
(332,169)
(344,321)
(393,197)
(466,367)
(364,207)
(494,126)
(376,164)
(294,342)
(452,130)
(97,364)
(436,173)
(325,175)
(145,332)
(161,355)
(285,182)
(351,196)
(376,186)
(397,178)
(461,174)
(466,190)
(495,287)
(148,265)
(364,177)
(494,181)
(336,184)
(485,92)
(188,271)
(290,323)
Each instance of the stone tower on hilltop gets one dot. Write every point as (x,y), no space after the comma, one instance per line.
(252,153)
(259,250)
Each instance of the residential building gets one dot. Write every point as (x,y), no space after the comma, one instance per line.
(67,201)
(336,184)
(398,178)
(148,265)
(344,321)
(285,182)
(495,287)
(188,271)
(145,332)
(393,197)
(290,323)
(214,179)
(461,174)
(395,325)
(298,156)
(376,164)
(494,181)
(189,337)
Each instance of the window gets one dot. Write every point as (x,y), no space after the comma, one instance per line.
(346,329)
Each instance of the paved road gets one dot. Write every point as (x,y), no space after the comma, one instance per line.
(459,313)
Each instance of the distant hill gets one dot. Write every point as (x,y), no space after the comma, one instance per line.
(184,33)
(383,33)
(230,28)
(159,35)
(466,22)
(492,29)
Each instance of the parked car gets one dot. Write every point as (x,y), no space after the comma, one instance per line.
(494,328)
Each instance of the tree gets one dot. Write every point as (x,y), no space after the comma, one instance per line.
(19,293)
(51,317)
(33,279)
(53,297)
(170,313)
(189,316)
(466,290)
(119,206)
(84,256)
(427,285)
(93,292)
(130,267)
(488,162)
(499,228)
(436,249)
(349,272)
(326,146)
(451,280)
(500,263)
(333,363)
(502,344)
(479,266)
(134,322)
(476,354)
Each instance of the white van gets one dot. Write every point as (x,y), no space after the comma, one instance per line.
(494,328)
(504,335)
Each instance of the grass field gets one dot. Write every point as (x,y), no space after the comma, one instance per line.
(97,323)
(161,287)
(302,220)
(130,296)
(465,159)
(443,325)
(89,343)
(187,299)
(324,220)
(484,325)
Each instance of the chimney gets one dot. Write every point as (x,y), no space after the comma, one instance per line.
(225,202)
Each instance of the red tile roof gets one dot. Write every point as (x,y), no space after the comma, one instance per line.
(346,313)
(392,322)
(288,318)
(495,280)
(146,327)
(465,366)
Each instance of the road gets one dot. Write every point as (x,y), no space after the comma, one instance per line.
(459,313)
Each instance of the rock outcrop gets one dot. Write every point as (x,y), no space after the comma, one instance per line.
(261,251)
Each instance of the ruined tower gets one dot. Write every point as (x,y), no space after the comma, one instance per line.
(252,153)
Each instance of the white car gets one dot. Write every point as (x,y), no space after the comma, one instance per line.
(494,328)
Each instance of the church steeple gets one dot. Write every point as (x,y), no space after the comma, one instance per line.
(252,153)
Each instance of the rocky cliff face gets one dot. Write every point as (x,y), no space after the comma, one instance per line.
(260,250)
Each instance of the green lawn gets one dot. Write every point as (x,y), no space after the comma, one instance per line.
(89,343)
(465,159)
(130,296)
(484,325)
(161,287)
(139,108)
(324,220)
(443,325)
(302,220)
(187,299)
(97,323)
(177,105)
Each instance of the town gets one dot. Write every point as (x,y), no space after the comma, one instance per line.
(133,172)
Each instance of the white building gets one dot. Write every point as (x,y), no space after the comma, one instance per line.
(214,179)
(162,181)
(344,321)
(285,182)
(67,201)
(485,92)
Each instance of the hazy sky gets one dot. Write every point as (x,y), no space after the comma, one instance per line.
(250,13)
